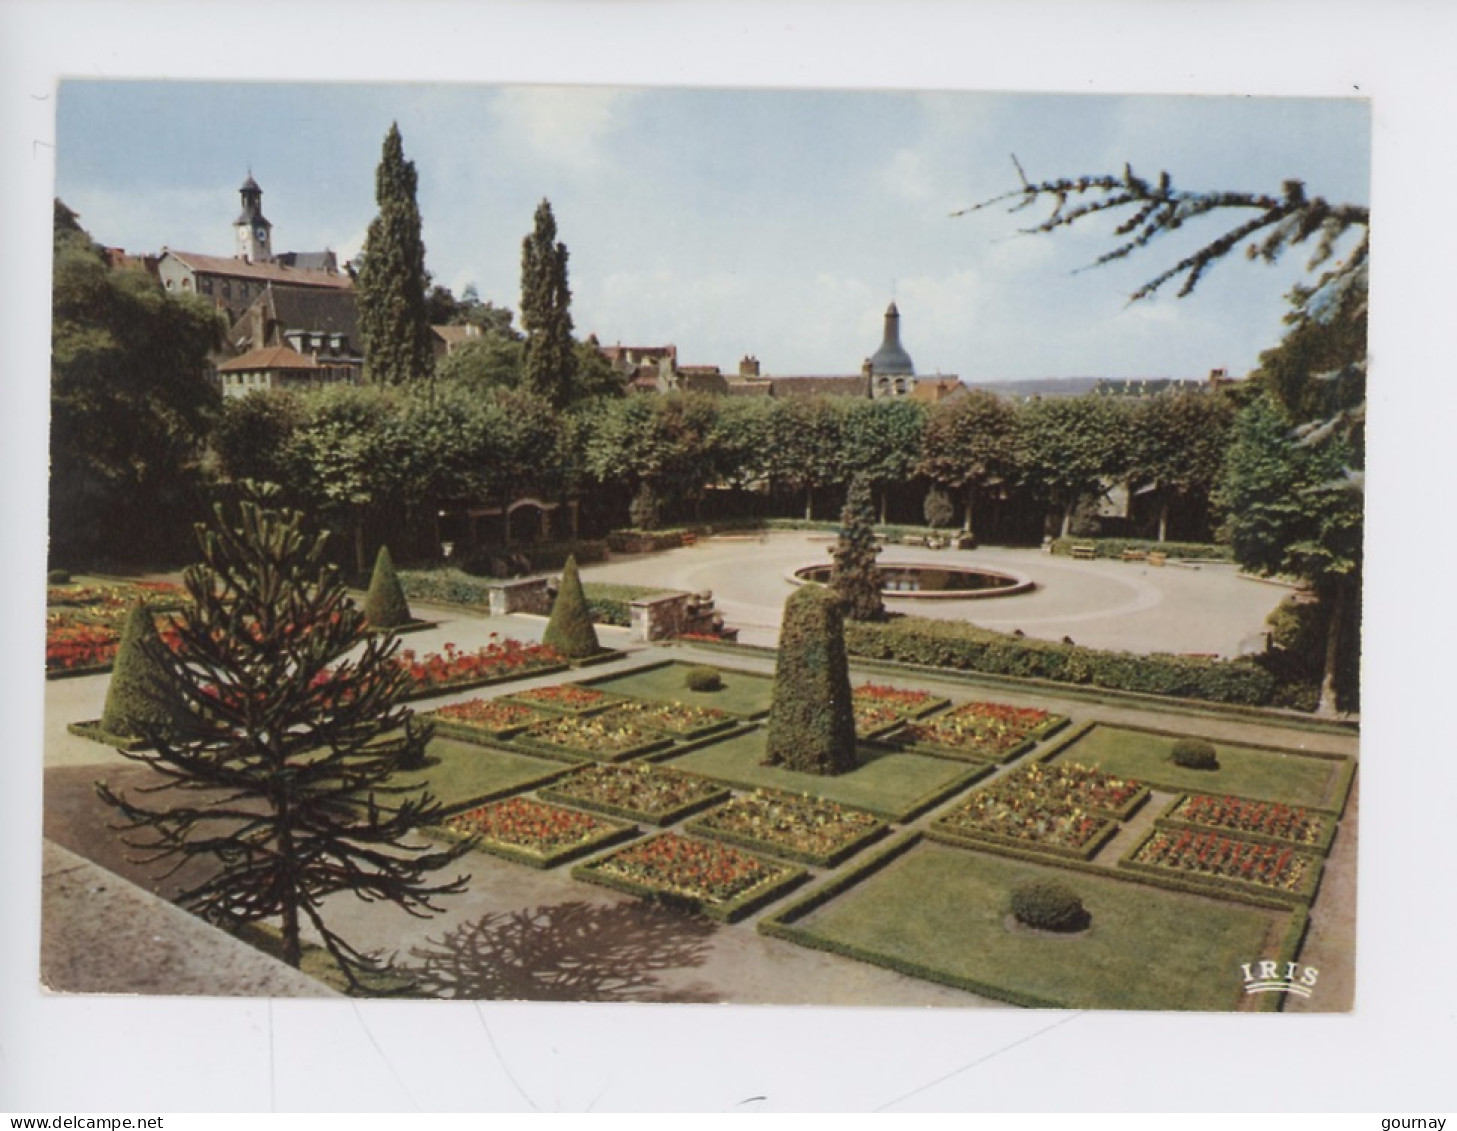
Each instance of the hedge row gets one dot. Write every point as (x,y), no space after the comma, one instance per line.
(1114,548)
(965,647)
(501,562)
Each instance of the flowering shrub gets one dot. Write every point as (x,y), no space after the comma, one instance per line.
(614,733)
(693,869)
(804,827)
(982,730)
(1264,818)
(502,658)
(1214,855)
(564,697)
(519,822)
(642,790)
(494,715)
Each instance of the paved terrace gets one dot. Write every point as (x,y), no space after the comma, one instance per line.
(1204,607)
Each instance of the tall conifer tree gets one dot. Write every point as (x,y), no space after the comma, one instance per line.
(394,322)
(546,316)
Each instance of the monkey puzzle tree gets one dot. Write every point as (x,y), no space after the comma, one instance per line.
(287,729)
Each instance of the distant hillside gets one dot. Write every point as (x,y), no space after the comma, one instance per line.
(1038,386)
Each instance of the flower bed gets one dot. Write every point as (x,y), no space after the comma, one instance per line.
(611,736)
(992,818)
(1228,862)
(80,643)
(981,731)
(484,718)
(1257,820)
(1067,810)
(716,880)
(454,669)
(878,708)
(639,791)
(535,833)
(681,720)
(1085,787)
(157,595)
(809,830)
(567,698)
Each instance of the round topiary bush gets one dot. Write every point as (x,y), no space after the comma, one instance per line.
(1047,905)
(58,577)
(1195,754)
(703,678)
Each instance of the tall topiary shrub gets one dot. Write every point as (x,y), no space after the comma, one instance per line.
(855,578)
(570,629)
(938,508)
(138,703)
(385,605)
(812,722)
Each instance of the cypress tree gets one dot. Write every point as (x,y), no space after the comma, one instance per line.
(385,605)
(570,629)
(394,321)
(812,722)
(546,317)
(137,699)
(855,579)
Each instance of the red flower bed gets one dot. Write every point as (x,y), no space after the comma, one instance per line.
(73,645)
(984,729)
(702,870)
(490,714)
(1214,855)
(500,658)
(535,826)
(878,707)
(1076,785)
(1232,814)
(564,697)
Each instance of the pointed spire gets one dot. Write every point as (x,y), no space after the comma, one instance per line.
(891,357)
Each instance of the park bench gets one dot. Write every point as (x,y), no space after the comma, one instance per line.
(1135,555)
(1085,552)
(1157,557)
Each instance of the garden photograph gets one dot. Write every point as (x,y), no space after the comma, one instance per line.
(656,545)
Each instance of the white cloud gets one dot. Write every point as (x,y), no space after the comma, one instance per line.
(562,125)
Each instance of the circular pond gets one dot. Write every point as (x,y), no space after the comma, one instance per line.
(930,582)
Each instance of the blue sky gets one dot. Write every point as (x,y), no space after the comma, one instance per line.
(773,223)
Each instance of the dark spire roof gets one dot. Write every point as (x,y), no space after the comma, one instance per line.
(250,185)
(891,357)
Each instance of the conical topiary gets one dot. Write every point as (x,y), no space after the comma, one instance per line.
(812,722)
(138,699)
(385,605)
(570,629)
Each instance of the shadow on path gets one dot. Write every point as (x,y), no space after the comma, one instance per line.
(572,951)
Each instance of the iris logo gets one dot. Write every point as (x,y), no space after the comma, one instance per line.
(1266,977)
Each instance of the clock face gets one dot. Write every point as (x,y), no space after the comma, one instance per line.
(261,233)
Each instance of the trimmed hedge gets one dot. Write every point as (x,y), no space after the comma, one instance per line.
(1114,547)
(385,605)
(569,629)
(542,557)
(812,721)
(965,647)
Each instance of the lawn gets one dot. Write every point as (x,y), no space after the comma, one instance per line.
(461,773)
(891,784)
(1265,775)
(942,913)
(743,693)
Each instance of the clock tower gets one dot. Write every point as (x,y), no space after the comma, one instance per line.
(253,231)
